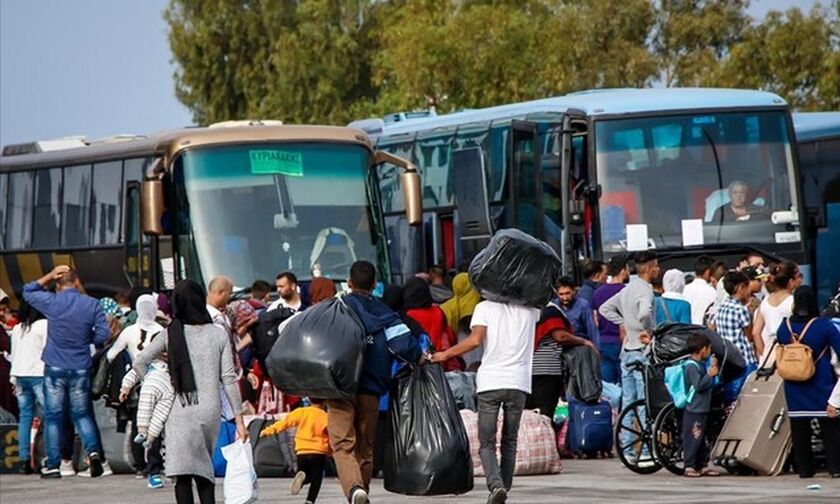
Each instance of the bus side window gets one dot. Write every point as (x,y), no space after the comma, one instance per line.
(4,197)
(21,189)
(47,211)
(107,209)
(76,209)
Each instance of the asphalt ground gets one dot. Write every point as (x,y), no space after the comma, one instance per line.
(582,481)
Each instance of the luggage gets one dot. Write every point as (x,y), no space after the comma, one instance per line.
(584,368)
(274,456)
(319,352)
(670,342)
(516,268)
(267,331)
(427,451)
(227,435)
(757,433)
(462,385)
(536,448)
(590,428)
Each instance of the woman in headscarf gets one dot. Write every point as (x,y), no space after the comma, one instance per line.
(321,289)
(113,314)
(671,306)
(458,311)
(201,365)
(429,318)
(460,307)
(810,399)
(134,339)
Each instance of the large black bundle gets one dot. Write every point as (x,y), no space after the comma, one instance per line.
(584,368)
(428,451)
(318,352)
(516,268)
(670,341)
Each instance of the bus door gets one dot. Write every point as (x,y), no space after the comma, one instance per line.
(138,250)
(470,186)
(526,199)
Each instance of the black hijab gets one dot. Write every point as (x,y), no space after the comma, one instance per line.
(190,308)
(393,297)
(805,305)
(416,294)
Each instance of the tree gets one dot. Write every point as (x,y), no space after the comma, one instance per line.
(294,60)
(791,54)
(692,37)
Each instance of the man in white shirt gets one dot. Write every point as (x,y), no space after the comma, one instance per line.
(219,292)
(503,381)
(287,287)
(700,293)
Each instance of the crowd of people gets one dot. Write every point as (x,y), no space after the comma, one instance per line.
(193,360)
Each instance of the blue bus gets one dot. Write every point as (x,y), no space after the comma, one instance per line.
(818,142)
(596,173)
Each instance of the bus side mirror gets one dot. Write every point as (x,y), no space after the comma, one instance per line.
(411,186)
(151,204)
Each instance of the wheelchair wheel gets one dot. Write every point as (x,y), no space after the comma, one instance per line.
(633,439)
(667,440)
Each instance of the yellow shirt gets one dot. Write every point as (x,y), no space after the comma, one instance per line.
(311,437)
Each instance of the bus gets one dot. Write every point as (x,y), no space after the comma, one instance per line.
(243,199)
(601,172)
(818,142)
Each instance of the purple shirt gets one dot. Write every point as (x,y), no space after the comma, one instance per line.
(609,331)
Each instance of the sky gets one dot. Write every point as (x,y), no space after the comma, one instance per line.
(103,67)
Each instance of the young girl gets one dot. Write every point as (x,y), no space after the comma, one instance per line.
(312,446)
(27,373)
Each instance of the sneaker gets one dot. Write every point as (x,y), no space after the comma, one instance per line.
(96,467)
(497,496)
(47,473)
(155,481)
(297,483)
(139,475)
(106,469)
(66,468)
(359,496)
(26,467)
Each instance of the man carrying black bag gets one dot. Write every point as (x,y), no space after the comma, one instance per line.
(503,381)
(352,423)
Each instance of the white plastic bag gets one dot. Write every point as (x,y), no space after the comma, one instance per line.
(240,484)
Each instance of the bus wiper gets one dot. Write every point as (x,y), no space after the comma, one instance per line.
(719,176)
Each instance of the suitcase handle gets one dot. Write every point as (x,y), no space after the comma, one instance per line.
(778,420)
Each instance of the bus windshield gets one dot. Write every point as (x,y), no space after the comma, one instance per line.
(257,210)
(701,179)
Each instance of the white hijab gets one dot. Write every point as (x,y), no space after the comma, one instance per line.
(674,283)
(146,313)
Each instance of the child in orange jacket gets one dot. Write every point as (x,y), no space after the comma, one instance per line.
(312,445)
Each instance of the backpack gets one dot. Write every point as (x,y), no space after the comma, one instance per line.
(795,361)
(267,332)
(675,383)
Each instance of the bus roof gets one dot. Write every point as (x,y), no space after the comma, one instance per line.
(170,143)
(816,125)
(598,102)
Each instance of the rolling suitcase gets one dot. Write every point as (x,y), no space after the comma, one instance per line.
(757,433)
(590,428)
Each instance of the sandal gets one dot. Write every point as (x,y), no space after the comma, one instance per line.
(691,473)
(708,471)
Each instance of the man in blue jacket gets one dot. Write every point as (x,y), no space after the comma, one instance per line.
(74,323)
(353,422)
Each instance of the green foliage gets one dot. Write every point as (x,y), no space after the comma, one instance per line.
(331,61)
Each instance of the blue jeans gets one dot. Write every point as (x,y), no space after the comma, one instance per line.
(632,388)
(30,392)
(611,362)
(733,388)
(61,384)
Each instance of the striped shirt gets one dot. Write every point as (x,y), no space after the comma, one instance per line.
(548,354)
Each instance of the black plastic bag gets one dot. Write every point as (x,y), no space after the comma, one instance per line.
(670,342)
(516,268)
(267,331)
(319,352)
(584,368)
(428,451)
